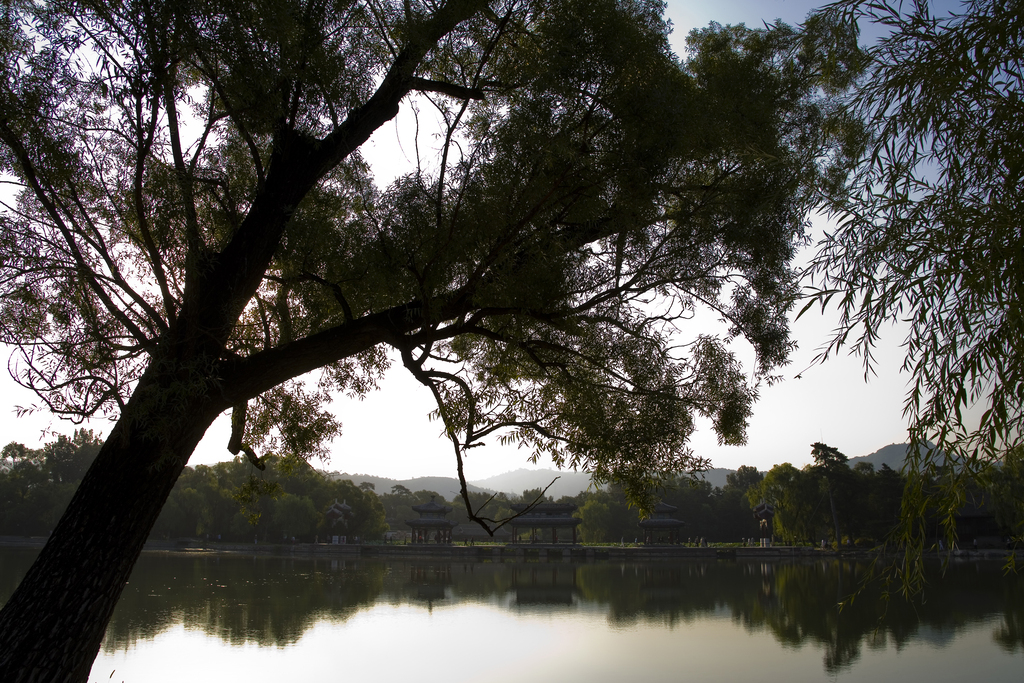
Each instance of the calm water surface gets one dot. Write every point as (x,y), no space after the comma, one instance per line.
(216,618)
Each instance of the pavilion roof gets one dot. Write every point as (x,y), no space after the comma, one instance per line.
(432,507)
(338,510)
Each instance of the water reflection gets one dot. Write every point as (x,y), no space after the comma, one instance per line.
(274,601)
(269,601)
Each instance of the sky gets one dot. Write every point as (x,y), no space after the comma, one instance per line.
(388,433)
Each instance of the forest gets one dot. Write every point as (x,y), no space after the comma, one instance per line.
(232,501)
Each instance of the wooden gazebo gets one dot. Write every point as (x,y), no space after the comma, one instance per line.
(661,527)
(432,524)
(553,516)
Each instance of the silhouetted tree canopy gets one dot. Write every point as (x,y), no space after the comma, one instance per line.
(196,230)
(930,231)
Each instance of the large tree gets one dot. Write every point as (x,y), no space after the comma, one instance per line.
(830,465)
(930,232)
(196,231)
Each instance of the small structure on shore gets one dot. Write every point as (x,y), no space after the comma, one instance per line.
(432,526)
(765,513)
(338,512)
(661,527)
(553,516)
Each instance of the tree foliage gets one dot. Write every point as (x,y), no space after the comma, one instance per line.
(196,230)
(743,479)
(204,502)
(830,466)
(1008,492)
(867,502)
(930,230)
(516,269)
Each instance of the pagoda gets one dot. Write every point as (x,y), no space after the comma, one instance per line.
(661,527)
(339,512)
(432,524)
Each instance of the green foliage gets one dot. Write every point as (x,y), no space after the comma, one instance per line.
(1008,493)
(36,485)
(68,459)
(597,520)
(535,274)
(282,502)
(295,515)
(930,233)
(536,495)
(797,498)
(869,503)
(830,466)
(289,499)
(584,191)
(251,494)
(493,509)
(743,479)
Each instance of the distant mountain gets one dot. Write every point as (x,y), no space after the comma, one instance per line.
(892,455)
(514,483)
(570,483)
(446,487)
(716,476)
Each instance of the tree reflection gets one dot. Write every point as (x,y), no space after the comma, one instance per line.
(799,602)
(268,601)
(1010,635)
(273,601)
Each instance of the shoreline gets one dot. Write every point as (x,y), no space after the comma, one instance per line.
(524,552)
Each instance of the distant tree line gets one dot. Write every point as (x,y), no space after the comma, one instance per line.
(230,501)
(36,484)
(831,501)
(712,513)
(826,500)
(233,501)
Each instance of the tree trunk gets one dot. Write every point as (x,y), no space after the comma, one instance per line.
(52,627)
(835,520)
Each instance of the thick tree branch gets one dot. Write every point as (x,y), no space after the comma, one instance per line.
(217,298)
(459,92)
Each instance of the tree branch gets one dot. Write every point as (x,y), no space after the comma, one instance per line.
(459,92)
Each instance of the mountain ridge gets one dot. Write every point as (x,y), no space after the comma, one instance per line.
(570,483)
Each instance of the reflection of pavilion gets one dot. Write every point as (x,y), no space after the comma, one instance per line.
(661,590)
(661,527)
(432,525)
(544,584)
(553,516)
(430,581)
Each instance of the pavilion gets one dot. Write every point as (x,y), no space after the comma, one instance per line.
(661,527)
(553,516)
(338,512)
(432,524)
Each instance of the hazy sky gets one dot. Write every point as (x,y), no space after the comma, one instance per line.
(388,434)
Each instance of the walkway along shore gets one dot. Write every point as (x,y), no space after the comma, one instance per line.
(519,552)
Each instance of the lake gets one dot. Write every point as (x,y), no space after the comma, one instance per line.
(210,617)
